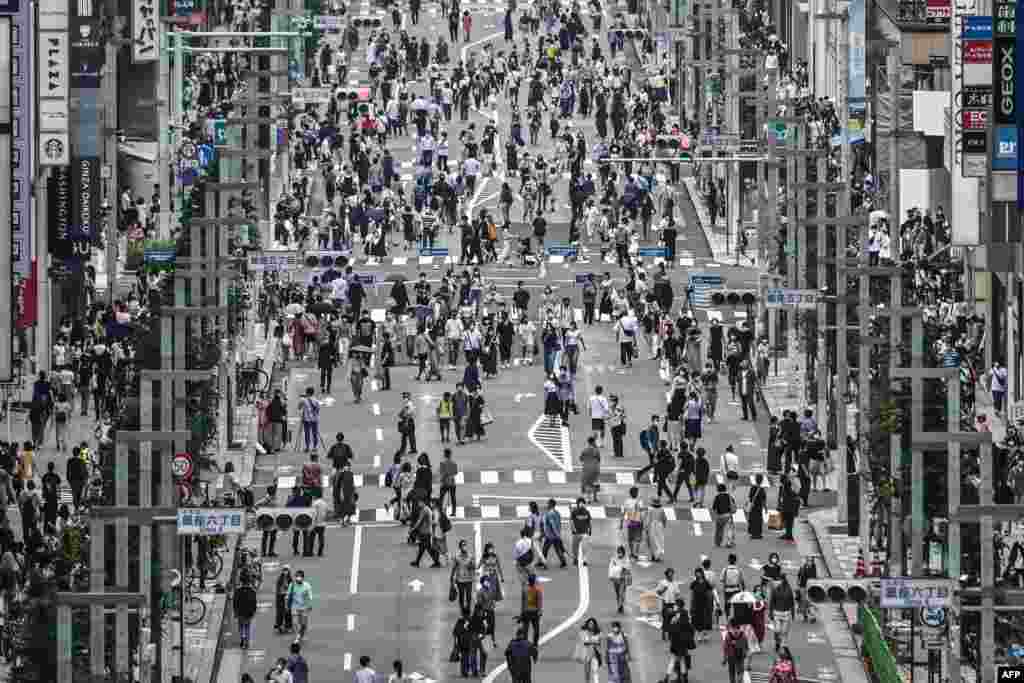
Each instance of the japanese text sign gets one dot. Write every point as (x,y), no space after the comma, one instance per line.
(210,522)
(900,593)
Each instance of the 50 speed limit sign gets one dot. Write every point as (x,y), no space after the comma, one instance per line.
(181,465)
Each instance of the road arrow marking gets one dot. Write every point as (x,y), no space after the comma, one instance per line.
(327,401)
(519,397)
(416,585)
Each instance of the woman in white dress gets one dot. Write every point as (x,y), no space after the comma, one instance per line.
(654,526)
(589,648)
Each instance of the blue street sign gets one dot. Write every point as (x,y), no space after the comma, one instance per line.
(652,252)
(977,28)
(158,255)
(561,251)
(367,278)
(581,278)
(706,280)
(434,251)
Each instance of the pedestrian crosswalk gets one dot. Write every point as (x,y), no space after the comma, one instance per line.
(523,477)
(514,512)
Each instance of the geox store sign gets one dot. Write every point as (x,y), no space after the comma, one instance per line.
(1005,81)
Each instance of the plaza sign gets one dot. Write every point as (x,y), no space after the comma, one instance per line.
(901,593)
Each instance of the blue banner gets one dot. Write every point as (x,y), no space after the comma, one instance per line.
(1019,27)
(561,251)
(653,252)
(707,280)
(977,28)
(581,278)
(857,72)
(1004,156)
(434,251)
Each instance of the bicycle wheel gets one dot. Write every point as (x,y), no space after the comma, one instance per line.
(194,612)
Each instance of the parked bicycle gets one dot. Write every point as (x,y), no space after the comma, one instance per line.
(194,610)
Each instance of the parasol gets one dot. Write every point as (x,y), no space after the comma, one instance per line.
(743,597)
(321,307)
(295,309)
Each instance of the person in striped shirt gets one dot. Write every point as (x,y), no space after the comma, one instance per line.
(428,228)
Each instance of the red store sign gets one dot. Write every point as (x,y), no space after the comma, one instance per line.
(975,119)
(977,51)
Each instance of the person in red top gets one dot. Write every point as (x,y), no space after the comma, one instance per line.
(784,669)
(467,25)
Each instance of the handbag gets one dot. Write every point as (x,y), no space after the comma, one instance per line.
(453,593)
(486,418)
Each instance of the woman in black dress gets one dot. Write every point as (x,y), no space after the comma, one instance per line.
(702,604)
(757,500)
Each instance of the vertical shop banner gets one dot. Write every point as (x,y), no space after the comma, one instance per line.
(58,211)
(858,31)
(144,31)
(85,192)
(964,207)
(939,11)
(87,53)
(22,134)
(1004,65)
(1018,24)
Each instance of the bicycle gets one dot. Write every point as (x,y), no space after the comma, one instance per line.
(208,567)
(194,608)
(252,382)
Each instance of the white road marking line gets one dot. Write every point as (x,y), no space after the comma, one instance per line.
(380,434)
(522,511)
(701,514)
(351,622)
(556,477)
(376,461)
(478,541)
(581,611)
(522,477)
(697,529)
(460,478)
(376,409)
(348,661)
(490,512)
(357,547)
(488,477)
(670,514)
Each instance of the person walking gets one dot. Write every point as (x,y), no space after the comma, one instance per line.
(620,574)
(321,511)
(590,460)
(463,575)
(300,602)
(655,521)
(327,360)
(282,612)
(365,674)
(406,425)
(582,528)
(590,651)
(551,527)
(681,642)
(618,655)
(734,651)
(723,507)
(703,602)
(310,410)
(448,471)
(423,531)
(701,476)
(245,602)
(297,665)
(532,607)
(617,422)
(782,611)
(633,522)
(520,656)
(747,384)
(757,503)
(730,468)
(277,415)
(599,410)
(732,582)
(445,412)
(668,591)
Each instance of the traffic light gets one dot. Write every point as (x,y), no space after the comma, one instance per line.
(733,297)
(326,261)
(621,34)
(838,590)
(366,22)
(285,519)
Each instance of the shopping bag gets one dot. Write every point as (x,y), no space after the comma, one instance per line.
(746,677)
(775,520)
(486,418)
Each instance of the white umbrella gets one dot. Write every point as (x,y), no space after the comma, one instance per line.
(744,597)
(877,215)
(295,309)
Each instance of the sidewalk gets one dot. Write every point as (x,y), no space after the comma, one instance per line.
(723,241)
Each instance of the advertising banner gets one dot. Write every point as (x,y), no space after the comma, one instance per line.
(85,188)
(22,138)
(857,30)
(939,11)
(901,593)
(144,31)
(964,185)
(1004,154)
(1004,69)
(87,53)
(58,211)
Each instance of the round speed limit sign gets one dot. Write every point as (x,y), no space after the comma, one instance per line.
(181,465)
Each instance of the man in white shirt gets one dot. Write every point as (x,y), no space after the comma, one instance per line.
(626,331)
(453,334)
(522,553)
(365,674)
(730,467)
(598,414)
